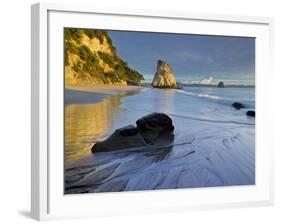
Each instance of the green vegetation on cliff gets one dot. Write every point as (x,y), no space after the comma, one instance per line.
(90,57)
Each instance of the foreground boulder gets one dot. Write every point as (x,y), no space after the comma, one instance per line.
(126,137)
(238,105)
(155,125)
(164,77)
(155,128)
(251,113)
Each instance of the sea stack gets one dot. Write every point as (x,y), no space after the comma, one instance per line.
(220,84)
(164,77)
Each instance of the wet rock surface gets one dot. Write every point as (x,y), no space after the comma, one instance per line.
(155,128)
(155,125)
(251,113)
(125,137)
(238,105)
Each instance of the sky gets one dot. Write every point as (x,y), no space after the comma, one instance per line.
(193,58)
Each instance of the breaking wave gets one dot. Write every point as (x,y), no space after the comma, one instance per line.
(203,95)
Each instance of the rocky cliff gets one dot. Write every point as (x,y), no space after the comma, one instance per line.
(91,58)
(164,77)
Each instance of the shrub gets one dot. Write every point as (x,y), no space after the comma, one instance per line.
(106,58)
(88,65)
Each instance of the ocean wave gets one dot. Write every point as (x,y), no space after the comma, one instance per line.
(202,95)
(219,99)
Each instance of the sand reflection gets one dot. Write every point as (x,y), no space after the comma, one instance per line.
(87,123)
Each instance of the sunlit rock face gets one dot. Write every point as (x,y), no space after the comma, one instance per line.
(91,58)
(164,77)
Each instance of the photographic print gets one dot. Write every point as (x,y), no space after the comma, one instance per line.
(151,111)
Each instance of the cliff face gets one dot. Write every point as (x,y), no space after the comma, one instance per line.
(164,77)
(91,58)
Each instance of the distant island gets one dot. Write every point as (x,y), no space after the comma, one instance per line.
(213,85)
(180,85)
(221,84)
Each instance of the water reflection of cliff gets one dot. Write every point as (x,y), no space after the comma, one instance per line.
(87,123)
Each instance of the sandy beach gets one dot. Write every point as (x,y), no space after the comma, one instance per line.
(90,111)
(83,94)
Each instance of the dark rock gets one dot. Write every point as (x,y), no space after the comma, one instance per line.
(125,137)
(238,105)
(132,83)
(179,85)
(155,125)
(155,128)
(220,84)
(251,113)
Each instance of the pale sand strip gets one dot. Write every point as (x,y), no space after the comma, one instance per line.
(106,89)
(81,94)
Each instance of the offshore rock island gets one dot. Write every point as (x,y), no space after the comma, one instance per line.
(164,77)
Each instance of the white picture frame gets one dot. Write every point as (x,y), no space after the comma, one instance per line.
(48,201)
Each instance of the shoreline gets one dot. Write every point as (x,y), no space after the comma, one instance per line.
(89,94)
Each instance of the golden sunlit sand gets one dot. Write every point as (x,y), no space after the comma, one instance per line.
(89,114)
(105,89)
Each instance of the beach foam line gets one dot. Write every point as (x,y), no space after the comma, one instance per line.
(199,95)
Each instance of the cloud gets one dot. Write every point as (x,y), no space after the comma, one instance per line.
(208,81)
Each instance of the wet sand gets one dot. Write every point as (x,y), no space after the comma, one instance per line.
(214,144)
(90,112)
